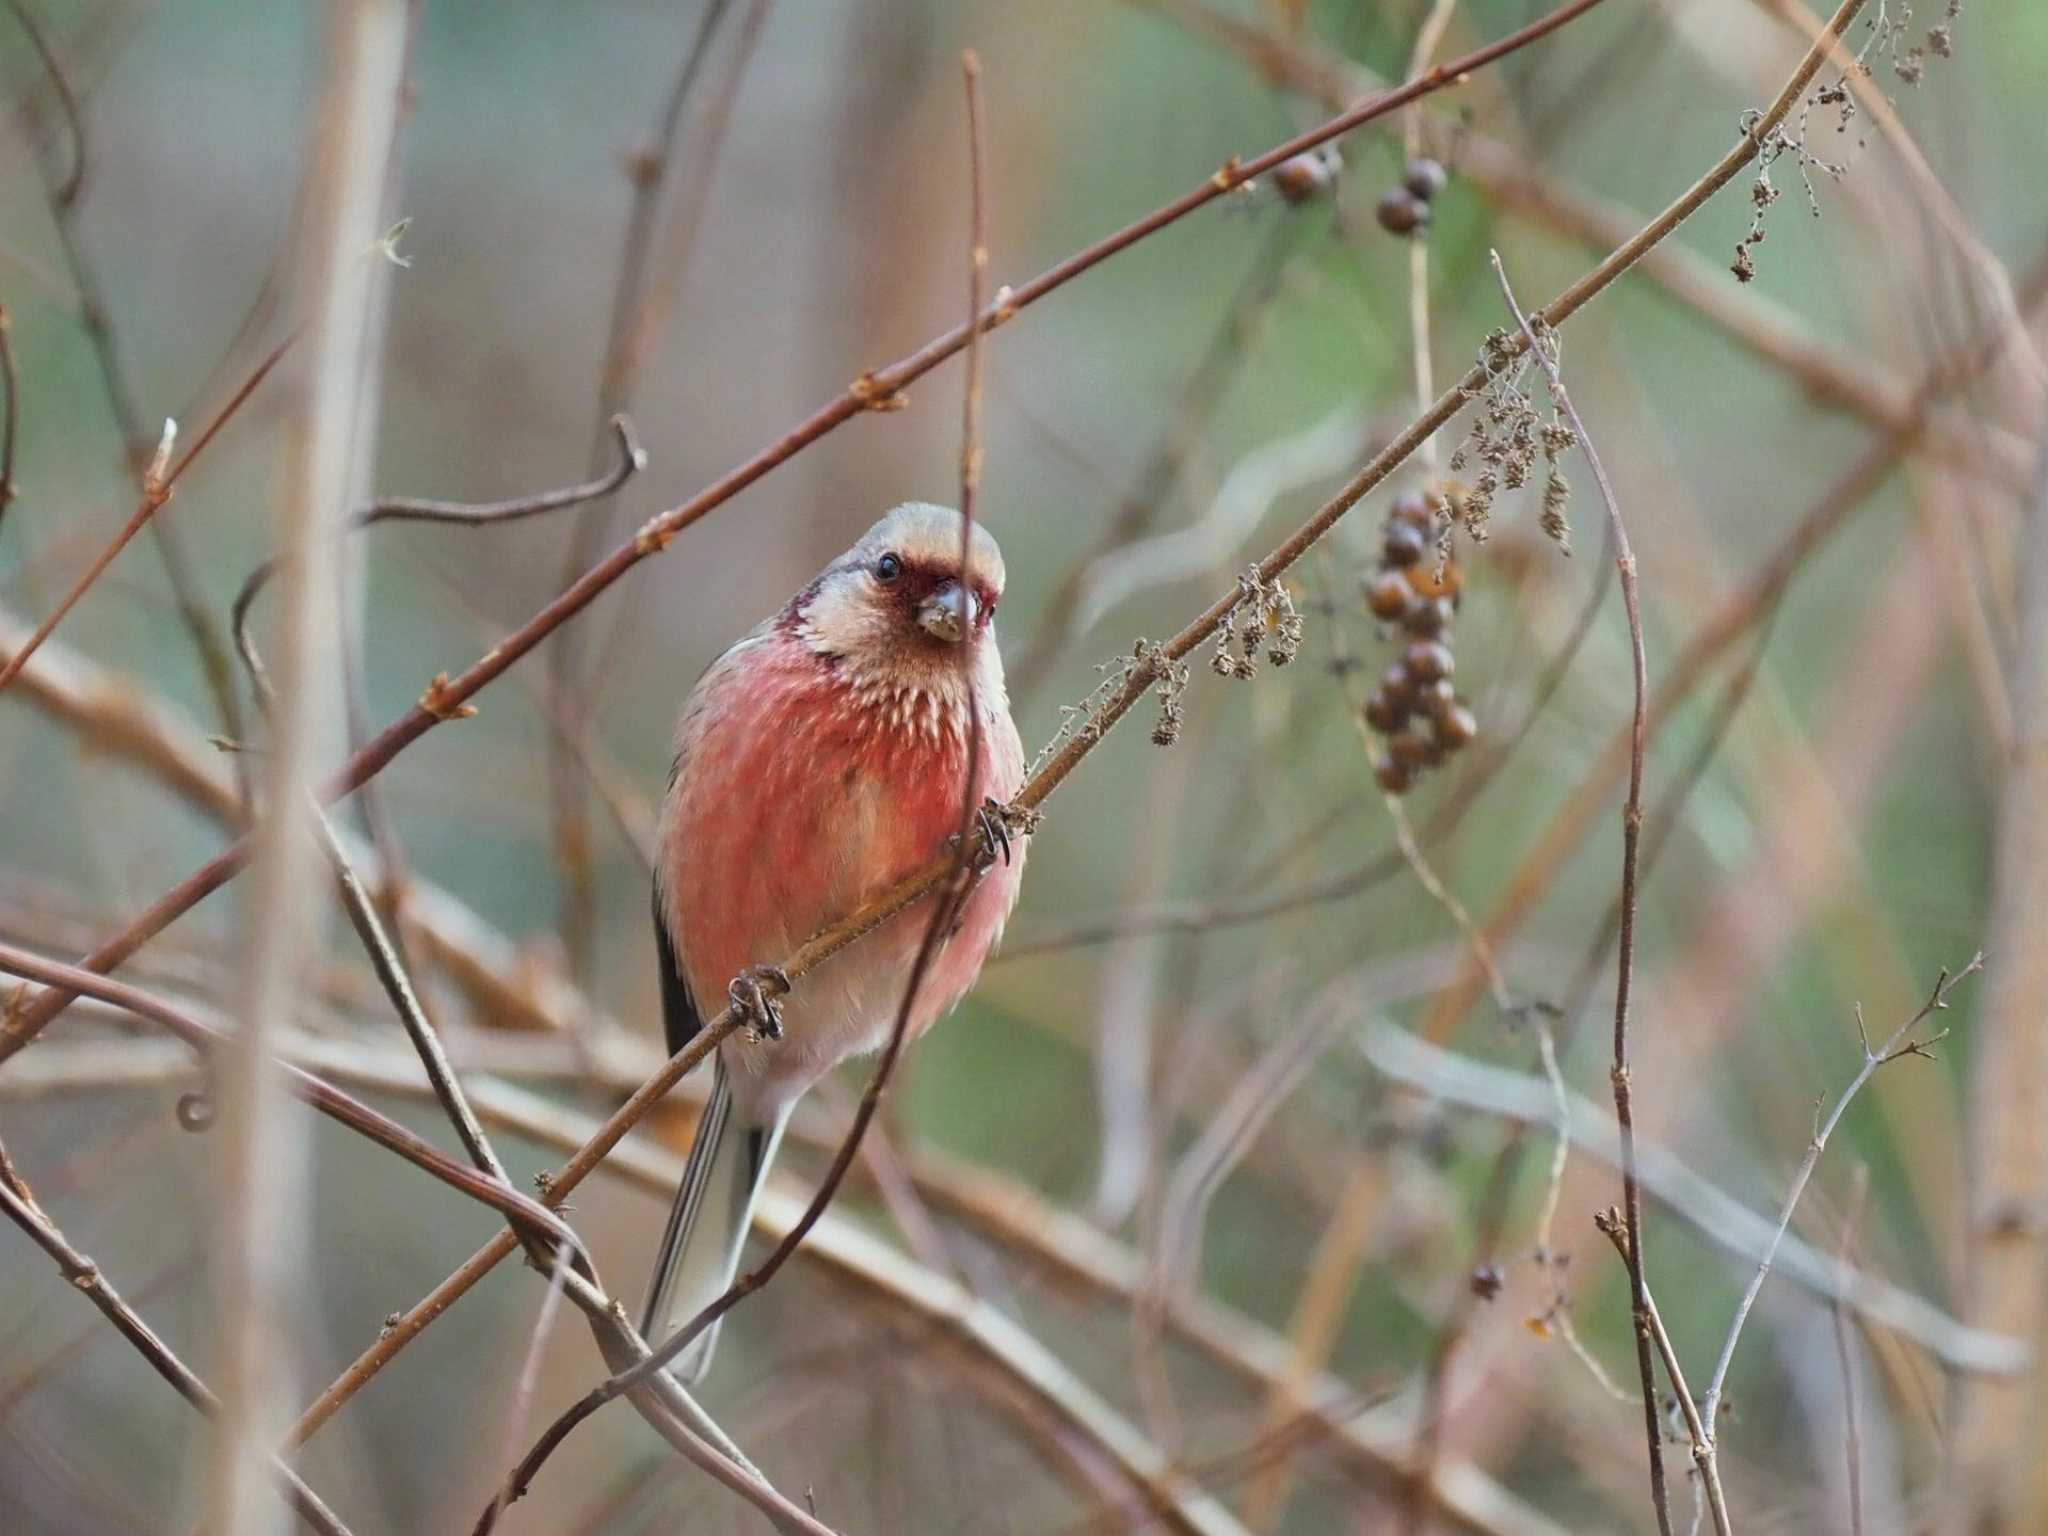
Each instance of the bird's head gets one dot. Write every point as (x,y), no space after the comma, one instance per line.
(897,606)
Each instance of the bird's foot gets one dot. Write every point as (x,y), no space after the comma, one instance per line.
(997,823)
(756,993)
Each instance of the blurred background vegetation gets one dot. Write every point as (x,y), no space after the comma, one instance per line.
(1845,785)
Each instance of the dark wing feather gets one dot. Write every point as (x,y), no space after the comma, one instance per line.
(679,1016)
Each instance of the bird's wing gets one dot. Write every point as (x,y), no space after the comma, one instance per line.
(679,1017)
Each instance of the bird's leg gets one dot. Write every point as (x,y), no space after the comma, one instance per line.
(755,993)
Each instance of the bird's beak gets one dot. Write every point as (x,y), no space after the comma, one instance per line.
(949,613)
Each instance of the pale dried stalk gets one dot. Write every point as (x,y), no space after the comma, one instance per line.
(1999,1421)
(259,1141)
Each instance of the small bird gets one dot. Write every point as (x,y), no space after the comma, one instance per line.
(819,761)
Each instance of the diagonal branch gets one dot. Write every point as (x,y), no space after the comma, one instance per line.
(19,1205)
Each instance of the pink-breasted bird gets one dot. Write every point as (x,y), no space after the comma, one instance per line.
(820,760)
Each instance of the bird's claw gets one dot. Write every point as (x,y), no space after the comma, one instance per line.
(992,819)
(756,993)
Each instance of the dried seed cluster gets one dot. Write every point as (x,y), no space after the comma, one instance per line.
(1264,618)
(1404,209)
(1888,29)
(1415,709)
(1170,684)
(1506,437)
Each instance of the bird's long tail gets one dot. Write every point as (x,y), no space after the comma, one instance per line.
(700,1250)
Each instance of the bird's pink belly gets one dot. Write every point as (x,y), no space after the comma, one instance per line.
(816,823)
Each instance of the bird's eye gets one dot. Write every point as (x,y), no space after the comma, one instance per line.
(888,568)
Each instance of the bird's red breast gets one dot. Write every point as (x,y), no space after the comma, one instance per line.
(803,791)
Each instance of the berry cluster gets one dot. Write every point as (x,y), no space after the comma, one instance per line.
(1415,707)
(1404,210)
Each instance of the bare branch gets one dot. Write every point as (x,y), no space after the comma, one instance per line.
(85,1276)
(1631,834)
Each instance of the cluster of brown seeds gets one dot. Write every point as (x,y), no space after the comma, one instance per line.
(1507,437)
(1264,618)
(1415,708)
(1404,210)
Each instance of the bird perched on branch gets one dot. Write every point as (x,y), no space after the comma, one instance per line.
(819,761)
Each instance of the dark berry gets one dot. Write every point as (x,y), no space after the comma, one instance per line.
(1433,699)
(1403,544)
(1428,618)
(1424,178)
(1385,713)
(1392,776)
(1412,507)
(1401,212)
(1427,660)
(1307,176)
(1487,1281)
(1388,595)
(1412,749)
(1397,685)
(1455,727)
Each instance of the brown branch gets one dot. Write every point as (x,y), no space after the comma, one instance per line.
(157,484)
(115,715)
(1631,833)
(457,514)
(875,389)
(1013,1215)
(1615,1230)
(66,199)
(530,1216)
(20,1206)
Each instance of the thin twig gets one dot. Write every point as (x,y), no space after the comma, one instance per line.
(1631,831)
(529,1371)
(158,482)
(1899,1043)
(66,199)
(1610,1223)
(115,715)
(458,514)
(1724,1222)
(527,1214)
(85,1276)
